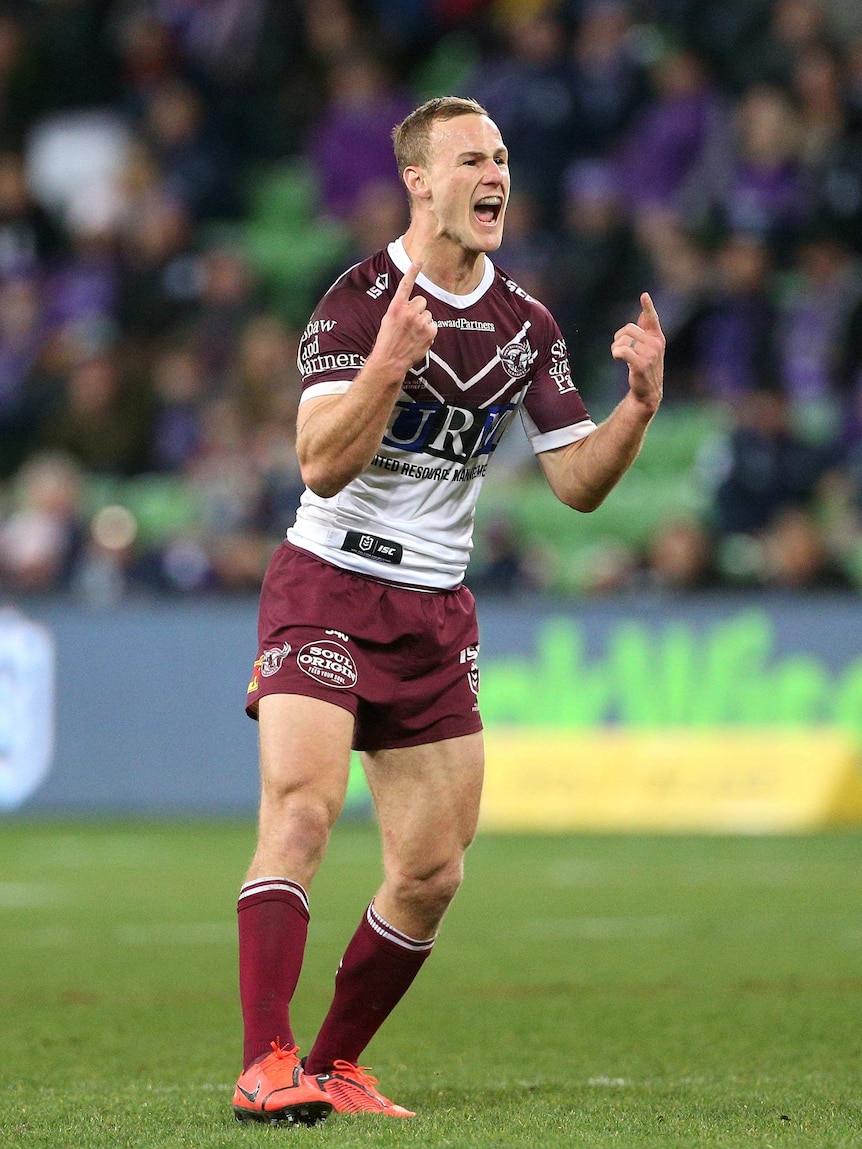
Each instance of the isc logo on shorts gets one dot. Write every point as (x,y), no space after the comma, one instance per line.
(329,663)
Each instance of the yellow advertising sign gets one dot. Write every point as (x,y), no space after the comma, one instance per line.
(724,781)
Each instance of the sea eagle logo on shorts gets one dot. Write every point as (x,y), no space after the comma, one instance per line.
(271,660)
(329,663)
(516,358)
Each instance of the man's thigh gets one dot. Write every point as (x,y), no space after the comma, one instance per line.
(427,800)
(304,766)
(304,744)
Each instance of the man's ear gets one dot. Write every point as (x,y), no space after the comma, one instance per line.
(416,182)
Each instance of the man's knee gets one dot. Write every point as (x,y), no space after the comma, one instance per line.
(296,823)
(429,890)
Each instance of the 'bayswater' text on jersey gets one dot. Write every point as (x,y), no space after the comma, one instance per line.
(408,518)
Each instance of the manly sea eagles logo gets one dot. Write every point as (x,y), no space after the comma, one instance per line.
(516,358)
(271,660)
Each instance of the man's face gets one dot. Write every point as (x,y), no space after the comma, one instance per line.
(467,177)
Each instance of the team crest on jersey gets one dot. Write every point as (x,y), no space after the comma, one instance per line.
(516,358)
(271,660)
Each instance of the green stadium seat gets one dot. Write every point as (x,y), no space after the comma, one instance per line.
(284,196)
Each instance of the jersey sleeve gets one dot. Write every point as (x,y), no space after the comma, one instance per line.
(338,338)
(553,413)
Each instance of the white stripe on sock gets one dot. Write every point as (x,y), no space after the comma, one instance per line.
(262,885)
(382,927)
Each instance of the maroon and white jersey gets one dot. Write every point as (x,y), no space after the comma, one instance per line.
(408,517)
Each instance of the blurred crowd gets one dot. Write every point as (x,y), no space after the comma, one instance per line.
(709,153)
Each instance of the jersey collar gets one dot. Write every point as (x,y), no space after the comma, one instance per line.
(398,254)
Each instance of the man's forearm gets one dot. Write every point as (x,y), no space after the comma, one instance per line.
(583,475)
(338,435)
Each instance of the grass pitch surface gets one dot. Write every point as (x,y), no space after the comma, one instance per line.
(586,991)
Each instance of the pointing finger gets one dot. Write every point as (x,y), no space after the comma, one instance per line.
(649,320)
(407,281)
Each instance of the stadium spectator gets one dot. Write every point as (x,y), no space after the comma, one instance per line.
(103,419)
(736,349)
(42,537)
(21,334)
(814,319)
(24,79)
(716,34)
(187,148)
(796,556)
(30,239)
(667,138)
(765,466)
(609,79)
(528,247)
(681,270)
(769,57)
(761,189)
(159,271)
(227,298)
(593,264)
(506,565)
(527,88)
(349,145)
(179,388)
(248,59)
(681,557)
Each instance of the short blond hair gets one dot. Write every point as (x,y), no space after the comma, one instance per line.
(412,137)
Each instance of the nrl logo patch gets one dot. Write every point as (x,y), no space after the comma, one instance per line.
(516,358)
(271,660)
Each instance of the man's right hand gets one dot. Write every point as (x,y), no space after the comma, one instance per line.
(407,330)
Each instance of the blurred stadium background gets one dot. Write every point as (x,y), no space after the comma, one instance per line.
(179,180)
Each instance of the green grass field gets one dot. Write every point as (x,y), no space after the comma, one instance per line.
(586,991)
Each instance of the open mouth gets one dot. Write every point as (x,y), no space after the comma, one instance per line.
(487,210)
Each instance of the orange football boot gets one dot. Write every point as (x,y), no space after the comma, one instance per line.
(275,1090)
(350,1088)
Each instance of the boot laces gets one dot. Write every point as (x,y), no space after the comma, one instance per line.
(359,1073)
(282,1051)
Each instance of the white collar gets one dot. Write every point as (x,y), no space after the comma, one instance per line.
(398,254)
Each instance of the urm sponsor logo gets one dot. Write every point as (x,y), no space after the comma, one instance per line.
(446,431)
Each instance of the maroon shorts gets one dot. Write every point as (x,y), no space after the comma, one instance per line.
(403,662)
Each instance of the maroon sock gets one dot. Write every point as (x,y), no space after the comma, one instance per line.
(376,971)
(272,916)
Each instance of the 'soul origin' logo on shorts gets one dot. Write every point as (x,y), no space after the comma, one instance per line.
(329,663)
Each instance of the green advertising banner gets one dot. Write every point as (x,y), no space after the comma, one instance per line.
(729,673)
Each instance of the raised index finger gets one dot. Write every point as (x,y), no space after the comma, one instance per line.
(649,320)
(407,280)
